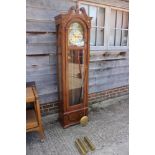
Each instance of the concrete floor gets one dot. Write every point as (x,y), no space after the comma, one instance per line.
(107,129)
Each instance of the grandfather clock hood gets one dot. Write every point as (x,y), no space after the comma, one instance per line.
(74,12)
(73,38)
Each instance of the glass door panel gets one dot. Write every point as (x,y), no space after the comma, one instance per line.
(76,76)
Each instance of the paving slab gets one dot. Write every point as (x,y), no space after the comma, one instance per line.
(107,129)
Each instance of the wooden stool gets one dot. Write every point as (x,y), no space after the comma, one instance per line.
(33,115)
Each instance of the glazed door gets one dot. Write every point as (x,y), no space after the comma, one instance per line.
(76,64)
(76,76)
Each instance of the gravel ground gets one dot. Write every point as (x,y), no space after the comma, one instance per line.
(107,129)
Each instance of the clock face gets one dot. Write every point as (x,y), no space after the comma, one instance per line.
(75,35)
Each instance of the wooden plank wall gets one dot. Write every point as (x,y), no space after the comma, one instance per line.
(115,3)
(108,69)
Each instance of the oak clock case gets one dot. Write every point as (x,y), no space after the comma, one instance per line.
(73,33)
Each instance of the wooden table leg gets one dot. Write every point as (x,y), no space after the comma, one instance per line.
(41,133)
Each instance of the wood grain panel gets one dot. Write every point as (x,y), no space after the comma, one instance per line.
(51,4)
(115,3)
(99,88)
(46,98)
(49,38)
(47,88)
(108,64)
(41,13)
(41,78)
(41,60)
(38,49)
(40,26)
(107,72)
(41,70)
(37,60)
(108,79)
(108,55)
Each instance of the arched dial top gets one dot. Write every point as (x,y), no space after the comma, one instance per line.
(75,34)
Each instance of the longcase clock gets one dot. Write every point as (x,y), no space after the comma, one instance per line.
(73,37)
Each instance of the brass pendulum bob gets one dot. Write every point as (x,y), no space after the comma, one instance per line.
(84,120)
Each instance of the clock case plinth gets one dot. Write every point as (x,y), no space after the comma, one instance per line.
(71,114)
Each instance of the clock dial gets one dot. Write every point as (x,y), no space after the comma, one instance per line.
(75,35)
